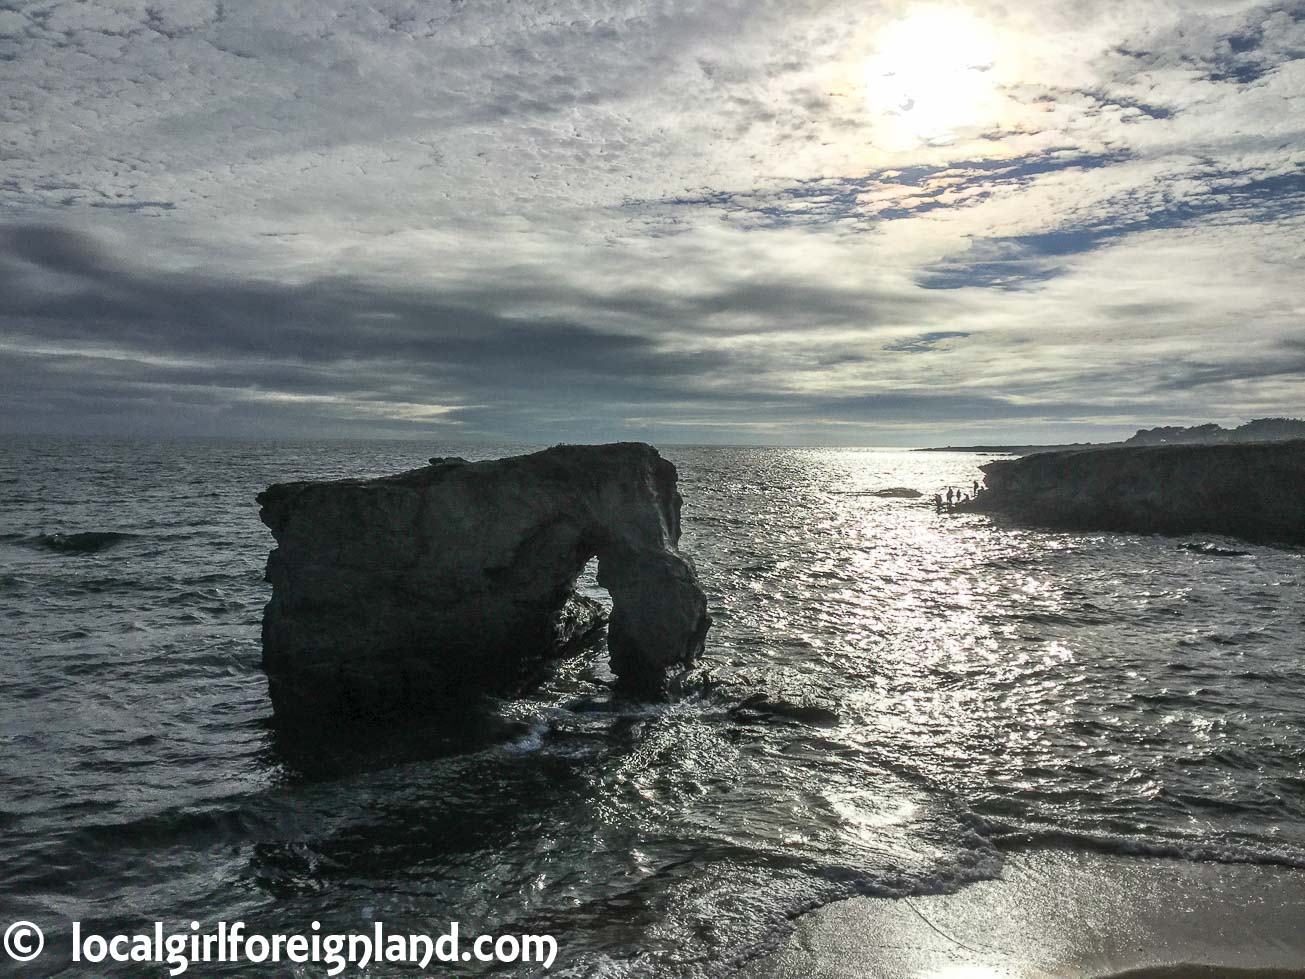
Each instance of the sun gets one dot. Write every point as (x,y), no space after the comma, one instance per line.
(931,76)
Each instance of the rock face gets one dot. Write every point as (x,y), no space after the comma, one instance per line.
(1255,491)
(398,593)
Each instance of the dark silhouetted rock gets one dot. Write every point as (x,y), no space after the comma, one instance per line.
(1178,435)
(762,706)
(1256,430)
(397,593)
(86,542)
(1212,550)
(1253,490)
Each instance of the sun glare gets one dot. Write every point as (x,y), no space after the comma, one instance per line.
(932,75)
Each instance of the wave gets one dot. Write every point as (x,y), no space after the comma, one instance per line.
(1015,838)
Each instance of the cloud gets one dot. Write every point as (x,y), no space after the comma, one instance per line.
(667,219)
(70,305)
(884,195)
(1011,262)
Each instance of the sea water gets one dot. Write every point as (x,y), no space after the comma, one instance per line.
(981,688)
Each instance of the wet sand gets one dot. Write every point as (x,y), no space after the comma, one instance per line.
(1065,915)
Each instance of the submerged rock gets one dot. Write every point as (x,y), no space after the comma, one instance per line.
(86,542)
(1255,491)
(397,593)
(898,492)
(1212,550)
(764,707)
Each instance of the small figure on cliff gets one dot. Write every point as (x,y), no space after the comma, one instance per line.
(950,498)
(937,502)
(976,487)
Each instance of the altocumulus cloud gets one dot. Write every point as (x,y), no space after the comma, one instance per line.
(676,221)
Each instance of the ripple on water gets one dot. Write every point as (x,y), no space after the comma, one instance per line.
(983,688)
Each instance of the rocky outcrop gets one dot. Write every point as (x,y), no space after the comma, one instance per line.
(86,542)
(397,593)
(1255,491)
(897,493)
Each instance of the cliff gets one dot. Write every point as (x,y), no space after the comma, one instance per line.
(395,594)
(1255,491)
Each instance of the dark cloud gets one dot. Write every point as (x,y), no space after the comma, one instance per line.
(929,406)
(1288,361)
(323,321)
(55,249)
(93,339)
(765,306)
(340,336)
(123,349)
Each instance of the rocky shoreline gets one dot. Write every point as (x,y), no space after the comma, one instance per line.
(1254,491)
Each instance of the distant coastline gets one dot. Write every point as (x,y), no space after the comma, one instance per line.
(1022,450)
(1256,430)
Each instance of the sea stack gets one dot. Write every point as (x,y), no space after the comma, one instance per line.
(1251,490)
(402,593)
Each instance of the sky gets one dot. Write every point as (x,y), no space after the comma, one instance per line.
(789,222)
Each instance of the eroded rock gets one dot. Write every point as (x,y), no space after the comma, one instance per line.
(1248,490)
(397,593)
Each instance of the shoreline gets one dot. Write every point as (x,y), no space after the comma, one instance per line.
(1061,914)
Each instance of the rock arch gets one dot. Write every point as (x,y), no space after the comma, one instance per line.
(398,593)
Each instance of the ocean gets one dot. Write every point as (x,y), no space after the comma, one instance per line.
(957,690)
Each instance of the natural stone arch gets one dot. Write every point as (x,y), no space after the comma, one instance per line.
(395,594)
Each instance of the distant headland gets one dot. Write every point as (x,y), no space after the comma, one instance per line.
(1252,489)
(1256,430)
